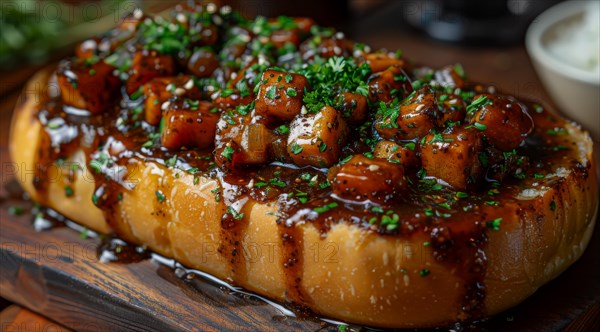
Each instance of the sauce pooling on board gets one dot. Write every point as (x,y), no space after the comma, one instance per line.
(285,112)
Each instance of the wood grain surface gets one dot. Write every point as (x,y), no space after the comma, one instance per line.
(56,273)
(18,319)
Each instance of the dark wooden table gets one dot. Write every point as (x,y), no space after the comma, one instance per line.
(56,273)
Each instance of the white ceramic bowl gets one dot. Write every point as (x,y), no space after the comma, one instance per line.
(574,90)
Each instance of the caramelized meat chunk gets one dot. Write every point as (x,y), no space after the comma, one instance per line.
(450,77)
(254,143)
(304,24)
(280,95)
(382,61)
(124,31)
(240,142)
(453,157)
(160,89)
(288,30)
(388,85)
(397,154)
(280,38)
(203,62)
(413,118)
(362,178)
(203,33)
(451,108)
(230,98)
(189,124)
(503,121)
(91,87)
(329,47)
(501,165)
(317,140)
(353,107)
(147,65)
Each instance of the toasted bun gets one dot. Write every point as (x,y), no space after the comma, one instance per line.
(351,274)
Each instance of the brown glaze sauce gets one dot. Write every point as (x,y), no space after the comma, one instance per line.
(115,250)
(458,242)
(457,226)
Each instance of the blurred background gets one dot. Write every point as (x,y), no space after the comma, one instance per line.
(486,36)
(31,30)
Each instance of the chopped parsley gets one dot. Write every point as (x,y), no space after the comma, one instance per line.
(137,94)
(15,210)
(228,153)
(330,77)
(235,214)
(494,224)
(84,234)
(477,103)
(171,162)
(98,164)
(325,208)
(322,147)
(390,222)
(282,130)
(556,131)
(291,92)
(260,184)
(245,109)
(296,148)
(277,182)
(324,184)
(389,113)
(161,197)
(479,126)
(68,191)
(271,92)
(411,146)
(458,68)
(164,37)
(217,193)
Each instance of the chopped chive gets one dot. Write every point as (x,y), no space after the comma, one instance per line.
(296,148)
(494,224)
(68,191)
(15,210)
(322,147)
(291,92)
(235,214)
(325,208)
(228,153)
(161,197)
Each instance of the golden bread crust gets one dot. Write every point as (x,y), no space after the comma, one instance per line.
(351,274)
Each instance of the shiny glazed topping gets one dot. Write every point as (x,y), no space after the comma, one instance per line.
(283,110)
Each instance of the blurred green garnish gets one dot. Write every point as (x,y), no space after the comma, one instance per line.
(30,30)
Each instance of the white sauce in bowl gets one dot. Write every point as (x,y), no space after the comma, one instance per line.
(577,41)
